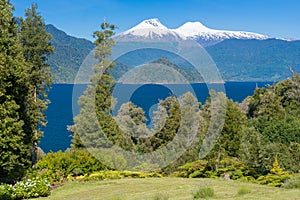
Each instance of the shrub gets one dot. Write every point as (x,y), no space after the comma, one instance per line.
(273,180)
(204,193)
(57,166)
(243,191)
(103,175)
(293,183)
(6,192)
(276,178)
(25,189)
(192,169)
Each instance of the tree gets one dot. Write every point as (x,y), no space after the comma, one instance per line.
(95,122)
(229,143)
(36,47)
(14,87)
(132,121)
(166,124)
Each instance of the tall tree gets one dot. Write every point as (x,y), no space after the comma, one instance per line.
(14,87)
(95,121)
(36,47)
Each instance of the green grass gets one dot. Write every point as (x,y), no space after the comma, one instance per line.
(244,191)
(204,193)
(173,188)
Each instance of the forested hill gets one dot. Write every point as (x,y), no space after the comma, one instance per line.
(69,54)
(256,60)
(237,59)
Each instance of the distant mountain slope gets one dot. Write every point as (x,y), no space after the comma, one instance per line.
(237,59)
(69,54)
(256,60)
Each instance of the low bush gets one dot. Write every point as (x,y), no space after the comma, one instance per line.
(204,193)
(273,180)
(30,188)
(109,174)
(57,166)
(293,183)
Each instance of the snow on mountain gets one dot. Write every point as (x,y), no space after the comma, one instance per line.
(196,30)
(151,29)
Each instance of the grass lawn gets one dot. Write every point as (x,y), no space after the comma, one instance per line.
(173,188)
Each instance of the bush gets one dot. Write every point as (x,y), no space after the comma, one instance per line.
(57,166)
(192,169)
(25,189)
(6,192)
(293,183)
(103,175)
(273,180)
(204,193)
(243,191)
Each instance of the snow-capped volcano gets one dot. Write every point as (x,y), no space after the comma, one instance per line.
(150,29)
(153,29)
(197,31)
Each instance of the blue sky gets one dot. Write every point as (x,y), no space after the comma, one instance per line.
(277,18)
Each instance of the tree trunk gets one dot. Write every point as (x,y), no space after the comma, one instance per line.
(35,145)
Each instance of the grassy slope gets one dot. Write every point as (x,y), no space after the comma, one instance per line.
(174,188)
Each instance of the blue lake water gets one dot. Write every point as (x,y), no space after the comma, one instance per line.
(60,113)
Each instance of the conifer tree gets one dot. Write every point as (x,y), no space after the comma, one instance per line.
(14,87)
(36,47)
(95,121)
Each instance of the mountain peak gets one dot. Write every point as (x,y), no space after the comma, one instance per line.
(207,36)
(150,23)
(193,27)
(150,29)
(154,29)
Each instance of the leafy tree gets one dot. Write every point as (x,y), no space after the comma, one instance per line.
(36,48)
(14,87)
(166,124)
(131,119)
(289,91)
(230,139)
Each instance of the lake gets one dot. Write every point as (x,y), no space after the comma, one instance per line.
(60,113)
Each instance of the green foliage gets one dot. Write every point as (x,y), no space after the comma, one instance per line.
(193,169)
(276,177)
(236,169)
(292,183)
(15,145)
(95,123)
(204,193)
(36,47)
(30,188)
(272,180)
(229,143)
(104,175)
(57,166)
(167,122)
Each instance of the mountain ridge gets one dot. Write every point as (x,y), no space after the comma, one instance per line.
(237,59)
(154,29)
